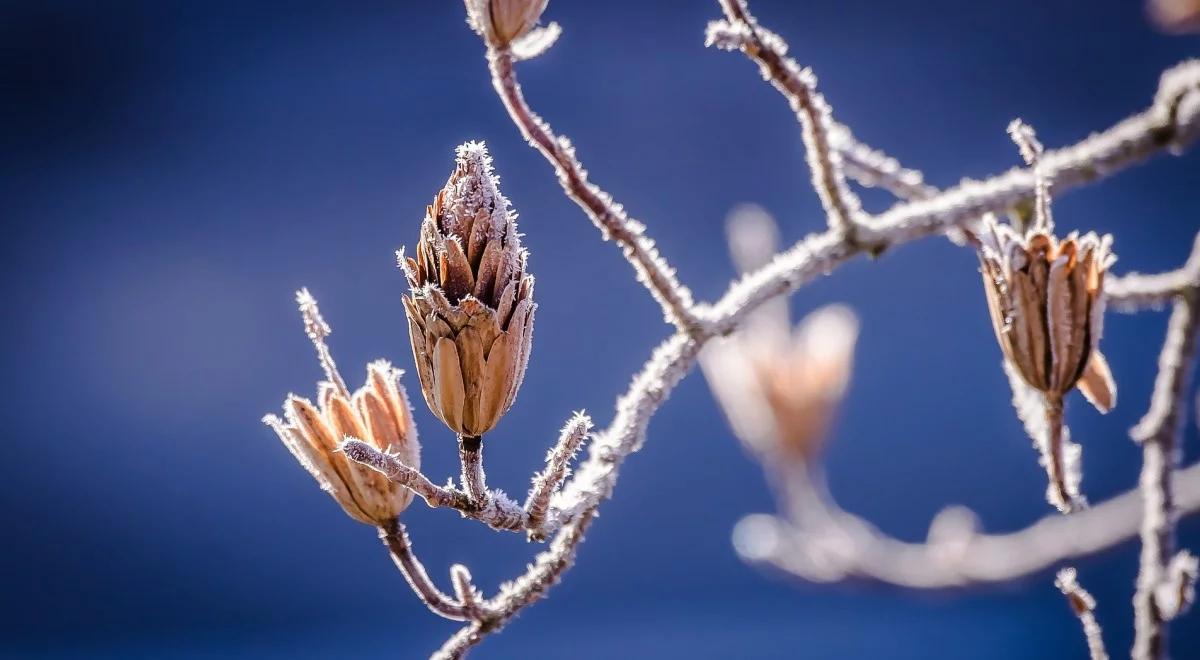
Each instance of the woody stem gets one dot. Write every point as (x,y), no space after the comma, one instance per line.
(395,537)
(1055,466)
(470,455)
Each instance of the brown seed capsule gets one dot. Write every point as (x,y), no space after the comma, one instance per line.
(502,22)
(470,308)
(780,399)
(1046,299)
(377,413)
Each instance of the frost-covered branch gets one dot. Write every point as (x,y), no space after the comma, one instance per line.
(1172,122)
(798,85)
(499,513)
(1084,607)
(955,554)
(875,169)
(1160,434)
(609,216)
(1042,418)
(817,254)
(474,480)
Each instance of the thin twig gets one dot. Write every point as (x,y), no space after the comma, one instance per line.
(818,254)
(576,504)
(317,330)
(557,461)
(500,513)
(798,85)
(1084,607)
(459,643)
(1098,156)
(609,216)
(1159,433)
(875,169)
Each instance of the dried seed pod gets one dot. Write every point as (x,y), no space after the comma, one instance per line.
(501,22)
(1046,299)
(377,413)
(470,306)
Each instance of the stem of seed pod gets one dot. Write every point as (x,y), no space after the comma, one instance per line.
(1056,467)
(470,455)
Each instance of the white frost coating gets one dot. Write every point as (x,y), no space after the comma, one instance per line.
(538,41)
(798,85)
(574,506)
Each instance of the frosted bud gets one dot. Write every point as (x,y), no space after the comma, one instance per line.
(470,306)
(378,413)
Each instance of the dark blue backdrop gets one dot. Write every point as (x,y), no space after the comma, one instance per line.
(173,170)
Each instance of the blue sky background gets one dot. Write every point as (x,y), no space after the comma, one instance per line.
(172,171)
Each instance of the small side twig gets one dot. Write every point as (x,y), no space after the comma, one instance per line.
(798,85)
(610,217)
(557,461)
(1084,606)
